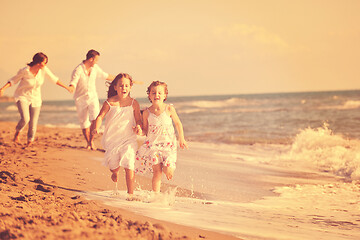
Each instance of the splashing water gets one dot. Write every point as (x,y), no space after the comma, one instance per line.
(322,149)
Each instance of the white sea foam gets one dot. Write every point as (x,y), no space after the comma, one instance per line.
(308,211)
(234,200)
(69,125)
(218,103)
(350,104)
(56,108)
(46,107)
(320,148)
(181,210)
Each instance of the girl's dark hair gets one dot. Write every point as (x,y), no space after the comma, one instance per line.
(92,53)
(38,58)
(112,92)
(157,83)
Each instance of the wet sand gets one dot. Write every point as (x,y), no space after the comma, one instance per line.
(42,186)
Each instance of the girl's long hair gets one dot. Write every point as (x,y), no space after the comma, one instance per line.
(112,92)
(38,58)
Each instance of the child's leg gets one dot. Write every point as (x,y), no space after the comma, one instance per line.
(169,172)
(114,175)
(156,180)
(130,180)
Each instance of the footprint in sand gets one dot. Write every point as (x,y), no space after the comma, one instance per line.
(42,188)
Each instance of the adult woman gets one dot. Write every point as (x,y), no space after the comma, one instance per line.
(28,93)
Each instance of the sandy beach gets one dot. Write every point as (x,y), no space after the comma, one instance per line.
(56,189)
(42,190)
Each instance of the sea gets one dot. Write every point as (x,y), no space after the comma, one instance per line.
(305,144)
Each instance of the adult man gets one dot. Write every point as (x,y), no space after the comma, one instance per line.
(86,98)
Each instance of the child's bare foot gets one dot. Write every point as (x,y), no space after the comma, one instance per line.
(169,176)
(92,146)
(114,176)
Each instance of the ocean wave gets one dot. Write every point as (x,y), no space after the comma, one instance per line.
(218,103)
(237,138)
(350,104)
(51,108)
(44,107)
(327,152)
(69,125)
(189,111)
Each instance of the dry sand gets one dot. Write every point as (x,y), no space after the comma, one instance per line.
(41,193)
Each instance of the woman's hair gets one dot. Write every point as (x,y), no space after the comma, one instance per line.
(92,53)
(38,58)
(112,92)
(155,84)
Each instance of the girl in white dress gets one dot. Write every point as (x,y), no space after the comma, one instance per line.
(122,124)
(159,152)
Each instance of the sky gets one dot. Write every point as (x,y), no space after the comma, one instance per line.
(198,47)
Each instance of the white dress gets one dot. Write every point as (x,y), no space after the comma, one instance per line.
(119,138)
(160,145)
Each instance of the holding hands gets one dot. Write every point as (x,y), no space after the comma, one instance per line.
(138,130)
(71,89)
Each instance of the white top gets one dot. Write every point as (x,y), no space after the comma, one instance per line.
(29,88)
(84,83)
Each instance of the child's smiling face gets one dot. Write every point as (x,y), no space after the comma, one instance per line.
(157,94)
(123,87)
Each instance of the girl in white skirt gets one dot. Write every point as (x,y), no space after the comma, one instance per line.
(122,124)
(159,152)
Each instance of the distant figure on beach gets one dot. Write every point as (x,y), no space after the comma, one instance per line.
(86,99)
(158,154)
(28,93)
(122,123)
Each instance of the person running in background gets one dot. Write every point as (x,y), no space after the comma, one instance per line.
(86,99)
(122,123)
(28,93)
(158,154)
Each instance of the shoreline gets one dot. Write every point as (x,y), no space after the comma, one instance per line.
(42,188)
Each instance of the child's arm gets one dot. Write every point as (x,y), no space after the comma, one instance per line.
(104,109)
(137,116)
(178,125)
(145,121)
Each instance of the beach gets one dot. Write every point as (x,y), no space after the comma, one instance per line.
(42,193)
(266,166)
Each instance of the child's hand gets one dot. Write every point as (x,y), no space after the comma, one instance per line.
(183,144)
(94,131)
(138,130)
